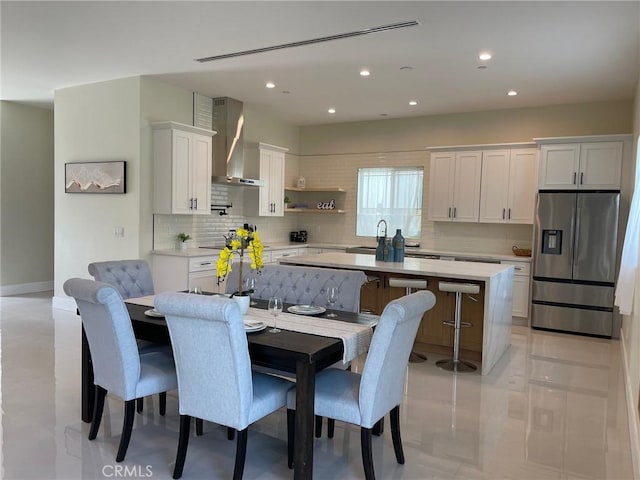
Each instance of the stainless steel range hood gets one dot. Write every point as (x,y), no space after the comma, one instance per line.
(228,148)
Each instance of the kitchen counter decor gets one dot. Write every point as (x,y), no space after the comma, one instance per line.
(235,245)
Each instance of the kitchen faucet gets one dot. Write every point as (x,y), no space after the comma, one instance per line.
(385,227)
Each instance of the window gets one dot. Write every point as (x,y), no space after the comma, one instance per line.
(393,194)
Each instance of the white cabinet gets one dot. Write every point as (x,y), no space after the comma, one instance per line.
(179,272)
(182,169)
(267,163)
(454,186)
(508,187)
(276,255)
(577,166)
(521,286)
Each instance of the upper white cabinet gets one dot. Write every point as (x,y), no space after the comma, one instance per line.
(454,186)
(182,169)
(267,163)
(581,166)
(508,187)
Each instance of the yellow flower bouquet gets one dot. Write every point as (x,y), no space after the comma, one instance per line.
(235,245)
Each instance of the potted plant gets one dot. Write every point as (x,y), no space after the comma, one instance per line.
(183,237)
(287,201)
(235,245)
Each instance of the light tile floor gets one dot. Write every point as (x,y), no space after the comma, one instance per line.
(553,408)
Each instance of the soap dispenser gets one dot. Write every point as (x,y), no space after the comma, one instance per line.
(380,248)
(398,246)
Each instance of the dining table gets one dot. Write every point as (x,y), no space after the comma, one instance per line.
(295,352)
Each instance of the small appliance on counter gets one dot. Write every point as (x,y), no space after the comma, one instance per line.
(298,237)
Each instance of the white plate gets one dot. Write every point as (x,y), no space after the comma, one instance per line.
(253,326)
(306,309)
(152,312)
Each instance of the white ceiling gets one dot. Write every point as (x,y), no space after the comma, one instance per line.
(550,52)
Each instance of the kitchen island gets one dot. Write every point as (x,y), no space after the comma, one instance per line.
(490,311)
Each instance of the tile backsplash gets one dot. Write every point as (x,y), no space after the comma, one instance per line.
(208,230)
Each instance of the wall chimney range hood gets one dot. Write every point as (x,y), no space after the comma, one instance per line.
(228,144)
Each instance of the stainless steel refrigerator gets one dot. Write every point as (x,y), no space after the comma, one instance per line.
(574,266)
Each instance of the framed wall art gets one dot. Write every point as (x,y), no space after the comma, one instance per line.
(95,177)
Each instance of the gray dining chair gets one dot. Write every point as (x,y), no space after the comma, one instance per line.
(215,380)
(305,286)
(364,399)
(132,278)
(118,366)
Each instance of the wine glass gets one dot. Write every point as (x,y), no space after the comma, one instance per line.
(275,307)
(331,294)
(250,285)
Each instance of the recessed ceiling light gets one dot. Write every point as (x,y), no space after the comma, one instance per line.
(413,102)
(512,93)
(270,85)
(332,110)
(365,73)
(484,56)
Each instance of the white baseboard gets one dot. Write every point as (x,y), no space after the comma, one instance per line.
(19,289)
(632,413)
(64,303)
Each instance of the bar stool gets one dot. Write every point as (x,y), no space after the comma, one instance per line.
(410,285)
(455,364)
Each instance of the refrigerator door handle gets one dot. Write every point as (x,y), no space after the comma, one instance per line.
(572,249)
(577,237)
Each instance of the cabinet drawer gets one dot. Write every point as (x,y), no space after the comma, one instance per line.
(290,252)
(198,264)
(521,268)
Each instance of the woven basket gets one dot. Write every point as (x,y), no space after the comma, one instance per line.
(521,252)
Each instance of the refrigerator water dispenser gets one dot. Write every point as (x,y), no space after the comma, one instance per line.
(552,242)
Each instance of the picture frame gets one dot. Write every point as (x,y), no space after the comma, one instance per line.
(95,177)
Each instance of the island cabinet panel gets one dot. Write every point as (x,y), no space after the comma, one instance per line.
(433,335)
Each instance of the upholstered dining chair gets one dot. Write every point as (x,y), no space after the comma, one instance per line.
(118,367)
(306,286)
(364,399)
(132,278)
(215,380)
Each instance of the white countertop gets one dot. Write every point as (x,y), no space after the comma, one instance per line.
(411,266)
(199,252)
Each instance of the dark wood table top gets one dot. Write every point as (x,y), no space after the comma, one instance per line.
(280,350)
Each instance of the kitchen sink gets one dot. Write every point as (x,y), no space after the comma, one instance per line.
(361,249)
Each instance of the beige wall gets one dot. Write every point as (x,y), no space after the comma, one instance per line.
(96,122)
(26,201)
(497,126)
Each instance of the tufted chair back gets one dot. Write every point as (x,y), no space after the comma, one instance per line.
(132,278)
(304,285)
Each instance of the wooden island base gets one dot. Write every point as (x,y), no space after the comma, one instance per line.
(489,312)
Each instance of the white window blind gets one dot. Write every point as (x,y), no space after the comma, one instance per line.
(393,194)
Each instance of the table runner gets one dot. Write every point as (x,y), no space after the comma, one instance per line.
(146,301)
(355,337)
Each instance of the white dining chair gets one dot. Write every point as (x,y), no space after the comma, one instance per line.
(364,399)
